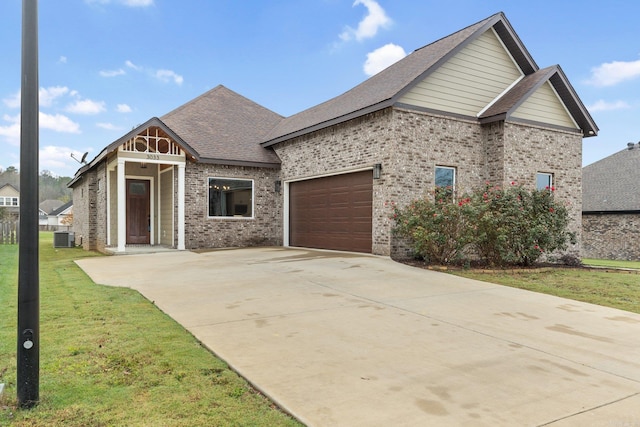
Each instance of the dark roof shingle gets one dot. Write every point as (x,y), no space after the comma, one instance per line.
(380,90)
(611,184)
(503,107)
(223,126)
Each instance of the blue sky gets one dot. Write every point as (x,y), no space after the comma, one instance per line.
(107,66)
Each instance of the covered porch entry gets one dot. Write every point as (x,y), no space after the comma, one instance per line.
(145,192)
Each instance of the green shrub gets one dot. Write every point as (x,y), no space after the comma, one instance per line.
(437,228)
(503,226)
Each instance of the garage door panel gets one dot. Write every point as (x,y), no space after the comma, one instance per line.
(332,213)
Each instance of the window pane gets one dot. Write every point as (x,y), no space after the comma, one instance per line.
(137,188)
(543,181)
(230,197)
(445,177)
(1,201)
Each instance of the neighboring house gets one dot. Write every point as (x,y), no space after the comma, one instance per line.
(223,171)
(611,206)
(60,219)
(10,200)
(47,207)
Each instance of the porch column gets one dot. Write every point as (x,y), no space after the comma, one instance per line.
(181,203)
(122,209)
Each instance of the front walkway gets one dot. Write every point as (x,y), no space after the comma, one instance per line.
(343,339)
(140,249)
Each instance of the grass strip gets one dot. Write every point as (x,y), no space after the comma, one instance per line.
(611,263)
(607,288)
(109,357)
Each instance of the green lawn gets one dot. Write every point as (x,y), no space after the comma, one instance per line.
(611,263)
(109,357)
(608,288)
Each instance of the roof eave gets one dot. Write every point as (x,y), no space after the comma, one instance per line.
(556,77)
(154,121)
(246,163)
(492,119)
(335,121)
(573,103)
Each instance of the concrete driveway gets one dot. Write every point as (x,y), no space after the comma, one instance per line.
(341,339)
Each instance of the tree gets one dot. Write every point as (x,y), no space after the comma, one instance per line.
(51,187)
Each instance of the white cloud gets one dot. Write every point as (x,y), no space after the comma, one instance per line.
(129,3)
(132,65)
(137,3)
(48,95)
(55,122)
(107,126)
(86,106)
(13,101)
(59,161)
(112,73)
(123,108)
(602,105)
(375,19)
(382,57)
(612,73)
(62,60)
(58,123)
(11,132)
(167,76)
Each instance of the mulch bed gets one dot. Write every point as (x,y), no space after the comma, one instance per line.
(537,268)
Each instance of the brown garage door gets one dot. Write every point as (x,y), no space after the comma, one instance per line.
(332,212)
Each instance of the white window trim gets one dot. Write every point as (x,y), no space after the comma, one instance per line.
(7,201)
(455,173)
(237,218)
(549,174)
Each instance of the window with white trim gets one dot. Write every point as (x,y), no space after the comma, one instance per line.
(544,181)
(230,198)
(9,201)
(445,181)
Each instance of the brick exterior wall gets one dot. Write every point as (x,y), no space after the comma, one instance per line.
(410,144)
(202,231)
(98,219)
(80,225)
(611,236)
(85,218)
(532,149)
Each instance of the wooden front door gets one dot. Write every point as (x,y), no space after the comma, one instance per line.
(138,212)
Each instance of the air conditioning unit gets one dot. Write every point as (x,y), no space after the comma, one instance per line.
(64,239)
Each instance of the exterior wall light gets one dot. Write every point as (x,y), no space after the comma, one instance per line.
(377,169)
(278,186)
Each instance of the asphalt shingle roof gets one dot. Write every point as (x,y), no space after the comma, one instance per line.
(384,86)
(221,125)
(611,184)
(50,205)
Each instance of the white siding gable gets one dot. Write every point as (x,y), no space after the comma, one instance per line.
(469,81)
(545,106)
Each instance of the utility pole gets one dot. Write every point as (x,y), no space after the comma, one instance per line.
(28,355)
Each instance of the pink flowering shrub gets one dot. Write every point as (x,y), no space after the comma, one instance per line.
(437,227)
(502,226)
